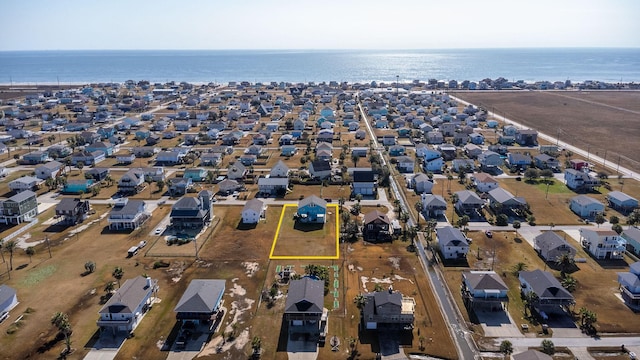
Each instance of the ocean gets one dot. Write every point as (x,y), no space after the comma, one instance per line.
(221,66)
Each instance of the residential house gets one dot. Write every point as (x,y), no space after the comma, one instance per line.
(518,160)
(273,185)
(154,173)
(256,150)
(253,211)
(476,138)
(107,148)
(49,170)
(421,183)
(586,207)
(73,211)
(192,212)
(128,214)
(435,137)
(551,246)
(210,159)
(312,209)
(304,308)
(580,180)
(169,158)
(22,207)
(472,150)
(248,159)
(629,286)
(397,150)
(320,169)
(501,200)
(288,150)
(178,186)
(388,310)
(286,139)
(144,151)
(602,243)
(90,137)
(551,297)
(376,227)
(25,183)
(621,201)
(405,164)
(454,245)
(632,236)
(124,310)
(544,161)
(35,157)
(490,161)
(228,186)
(324,155)
(80,186)
(236,171)
(433,206)
(484,290)
(8,298)
(125,159)
(388,140)
(359,151)
(526,137)
(466,165)
(201,302)
(484,182)
(58,151)
(468,203)
(131,182)
(279,170)
(364,183)
(196,174)
(433,165)
(87,158)
(449,151)
(578,164)
(426,152)
(97,174)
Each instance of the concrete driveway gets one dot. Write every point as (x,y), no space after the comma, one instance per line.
(497,324)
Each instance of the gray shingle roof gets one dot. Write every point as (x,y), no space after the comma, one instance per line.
(312,199)
(305,296)
(128,297)
(6,293)
(584,200)
(532,355)
(550,240)
(253,204)
(469,197)
(201,296)
(545,285)
(450,236)
(485,280)
(22,196)
(130,208)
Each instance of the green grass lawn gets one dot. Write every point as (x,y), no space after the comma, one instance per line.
(556,188)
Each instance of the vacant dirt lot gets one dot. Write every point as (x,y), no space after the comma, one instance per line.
(599,120)
(299,239)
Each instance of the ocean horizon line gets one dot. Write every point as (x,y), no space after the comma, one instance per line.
(572,48)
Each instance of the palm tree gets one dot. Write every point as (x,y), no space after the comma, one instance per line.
(530,300)
(566,262)
(570,283)
(61,321)
(449,178)
(419,206)
(1,248)
(109,287)
(30,251)
(516,225)
(412,232)
(256,345)
(360,301)
(548,347)
(10,246)
(118,273)
(355,158)
(519,267)
(506,347)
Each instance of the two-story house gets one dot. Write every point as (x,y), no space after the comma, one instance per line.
(580,180)
(131,182)
(128,214)
(484,290)
(454,245)
(551,297)
(25,183)
(124,310)
(312,209)
(630,285)
(433,206)
(388,310)
(304,308)
(22,207)
(364,183)
(49,170)
(585,206)
(72,211)
(551,246)
(192,212)
(602,243)
(376,227)
(253,211)
(484,182)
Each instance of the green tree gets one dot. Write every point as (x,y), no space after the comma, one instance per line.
(30,251)
(502,220)
(110,287)
(519,267)
(548,347)
(61,321)
(617,228)
(80,165)
(160,184)
(530,174)
(506,347)
(599,219)
(614,219)
(118,273)
(355,158)
(634,217)
(10,246)
(570,283)
(531,220)
(360,301)
(546,174)
(256,345)
(90,266)
(566,262)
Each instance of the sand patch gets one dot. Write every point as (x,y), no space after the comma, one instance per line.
(395,262)
(386,280)
(250,267)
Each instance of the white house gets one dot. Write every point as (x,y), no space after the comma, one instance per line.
(405,164)
(272,185)
(279,170)
(253,211)
(629,285)
(433,205)
(421,183)
(25,183)
(585,206)
(602,243)
(49,170)
(580,180)
(453,243)
(364,183)
(320,169)
(433,165)
(124,310)
(484,182)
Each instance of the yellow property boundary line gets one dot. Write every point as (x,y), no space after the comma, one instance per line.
(293,257)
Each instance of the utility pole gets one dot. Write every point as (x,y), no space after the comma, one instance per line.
(397,81)
(46,238)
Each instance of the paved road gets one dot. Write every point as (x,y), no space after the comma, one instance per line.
(456,329)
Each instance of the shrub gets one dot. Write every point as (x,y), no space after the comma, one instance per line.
(502,220)
(160,264)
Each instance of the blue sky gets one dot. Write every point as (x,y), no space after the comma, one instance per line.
(328,24)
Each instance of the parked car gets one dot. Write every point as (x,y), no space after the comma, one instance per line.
(488,233)
(159,231)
